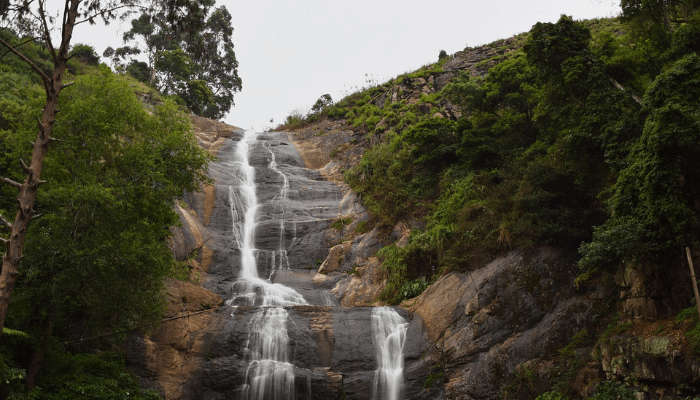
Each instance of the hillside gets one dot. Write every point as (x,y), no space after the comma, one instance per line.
(534,194)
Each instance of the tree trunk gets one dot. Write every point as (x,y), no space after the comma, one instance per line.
(38,354)
(694,281)
(28,189)
(27,197)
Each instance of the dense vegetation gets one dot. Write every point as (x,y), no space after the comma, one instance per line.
(586,138)
(96,254)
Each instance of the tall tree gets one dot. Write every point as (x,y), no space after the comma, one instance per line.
(33,18)
(189,51)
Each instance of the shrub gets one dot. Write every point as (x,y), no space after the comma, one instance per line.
(554,395)
(85,53)
(609,390)
(341,222)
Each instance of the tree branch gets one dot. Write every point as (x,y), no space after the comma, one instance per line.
(31,39)
(11,182)
(25,167)
(45,25)
(621,88)
(101,13)
(5,222)
(24,58)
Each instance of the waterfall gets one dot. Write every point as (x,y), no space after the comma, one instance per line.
(269,375)
(389,330)
(281,198)
(249,268)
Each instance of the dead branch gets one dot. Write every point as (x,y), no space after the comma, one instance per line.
(11,182)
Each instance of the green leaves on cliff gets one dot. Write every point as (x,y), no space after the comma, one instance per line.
(549,147)
(654,207)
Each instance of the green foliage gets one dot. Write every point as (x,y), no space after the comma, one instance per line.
(99,376)
(85,53)
(434,379)
(341,222)
(693,338)
(293,121)
(688,317)
(407,269)
(610,390)
(139,70)
(112,180)
(550,45)
(653,206)
(38,54)
(363,227)
(413,288)
(687,314)
(322,103)
(554,395)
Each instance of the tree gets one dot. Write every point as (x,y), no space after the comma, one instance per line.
(27,16)
(549,45)
(111,183)
(189,50)
(85,53)
(322,103)
(659,11)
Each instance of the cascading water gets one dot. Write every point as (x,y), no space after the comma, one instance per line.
(281,198)
(389,330)
(269,375)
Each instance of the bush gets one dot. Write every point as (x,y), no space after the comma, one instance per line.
(551,396)
(340,223)
(85,53)
(612,391)
(294,120)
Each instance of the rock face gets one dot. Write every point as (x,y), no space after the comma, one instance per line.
(657,362)
(488,322)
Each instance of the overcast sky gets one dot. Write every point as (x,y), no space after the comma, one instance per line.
(291,52)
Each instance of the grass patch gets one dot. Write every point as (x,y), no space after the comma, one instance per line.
(341,222)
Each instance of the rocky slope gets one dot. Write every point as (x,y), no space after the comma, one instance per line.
(204,355)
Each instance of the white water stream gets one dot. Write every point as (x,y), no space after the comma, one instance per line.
(269,375)
(281,198)
(389,330)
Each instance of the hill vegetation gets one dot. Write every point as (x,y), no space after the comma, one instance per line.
(584,138)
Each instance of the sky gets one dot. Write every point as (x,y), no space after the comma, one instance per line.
(291,52)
